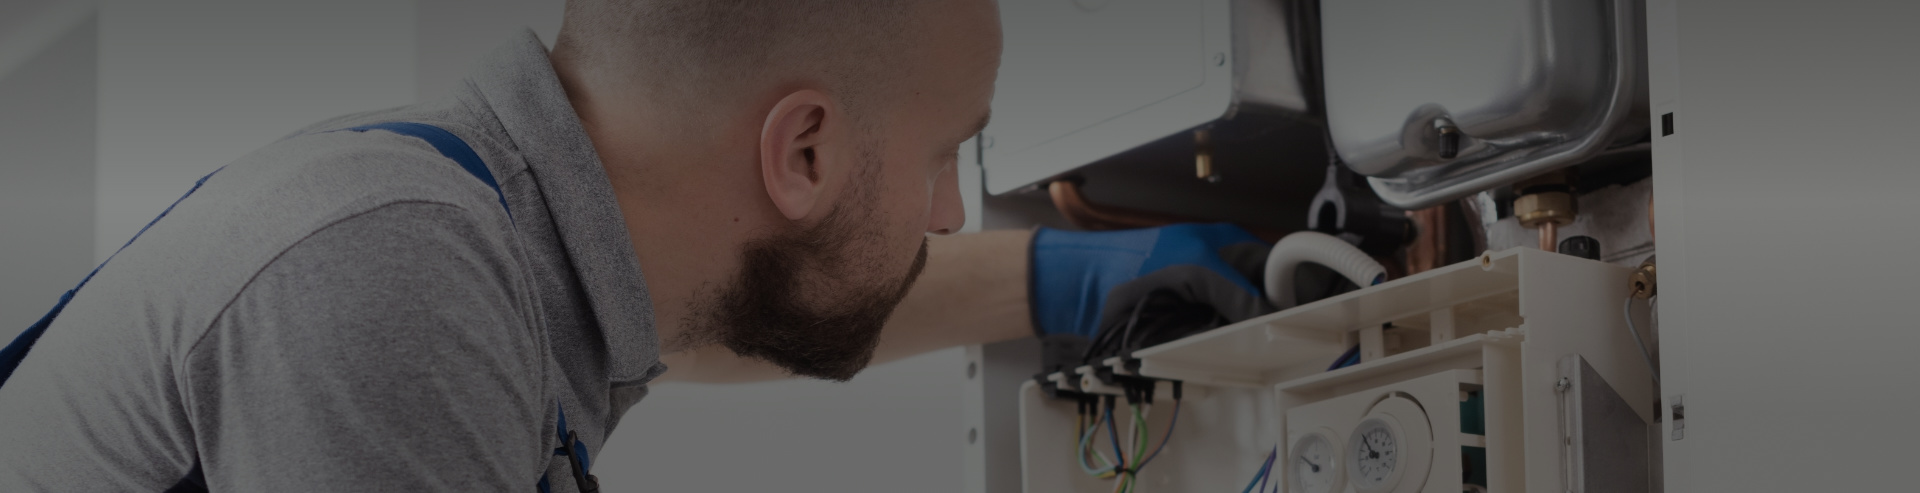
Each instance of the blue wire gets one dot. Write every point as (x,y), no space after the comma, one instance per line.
(1342,361)
(1267,472)
(1086,438)
(1114,433)
(1260,480)
(1254,483)
(1351,361)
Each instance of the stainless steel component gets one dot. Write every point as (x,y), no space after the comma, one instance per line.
(1603,444)
(1437,100)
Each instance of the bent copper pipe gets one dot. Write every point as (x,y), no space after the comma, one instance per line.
(1088,215)
(1429,247)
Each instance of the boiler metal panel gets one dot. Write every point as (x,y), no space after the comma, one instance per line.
(1084,80)
(1519,87)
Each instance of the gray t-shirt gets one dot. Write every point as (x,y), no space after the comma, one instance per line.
(346,311)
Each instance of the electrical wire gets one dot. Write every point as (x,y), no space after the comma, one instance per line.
(1133,433)
(1260,480)
(1139,451)
(1107,338)
(1086,447)
(1268,473)
(1169,436)
(1134,444)
(1353,352)
(1627,309)
(1113,433)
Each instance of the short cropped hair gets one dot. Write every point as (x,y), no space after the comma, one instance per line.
(696,52)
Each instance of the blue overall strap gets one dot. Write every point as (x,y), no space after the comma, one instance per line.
(576,454)
(16,351)
(450,146)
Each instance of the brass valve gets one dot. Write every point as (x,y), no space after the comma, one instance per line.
(1644,282)
(1537,209)
(1545,202)
(1203,156)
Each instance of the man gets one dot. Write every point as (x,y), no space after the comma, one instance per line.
(732,189)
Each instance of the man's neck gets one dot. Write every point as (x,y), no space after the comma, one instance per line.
(685,200)
(681,253)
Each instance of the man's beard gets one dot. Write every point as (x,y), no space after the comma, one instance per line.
(763,313)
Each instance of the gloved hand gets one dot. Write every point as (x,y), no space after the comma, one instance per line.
(1087,283)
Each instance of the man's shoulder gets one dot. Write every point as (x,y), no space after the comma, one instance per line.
(250,213)
(347,158)
(337,169)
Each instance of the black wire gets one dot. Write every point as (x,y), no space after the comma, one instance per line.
(1107,338)
(1127,335)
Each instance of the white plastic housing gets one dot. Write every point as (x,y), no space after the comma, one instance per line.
(1501,322)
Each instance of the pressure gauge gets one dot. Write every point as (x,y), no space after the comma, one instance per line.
(1376,454)
(1314,464)
(1392,448)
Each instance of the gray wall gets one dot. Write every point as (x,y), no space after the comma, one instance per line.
(47,116)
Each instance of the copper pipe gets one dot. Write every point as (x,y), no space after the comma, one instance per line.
(1429,247)
(1095,217)
(1088,215)
(1550,236)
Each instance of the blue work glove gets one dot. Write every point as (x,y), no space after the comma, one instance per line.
(1084,283)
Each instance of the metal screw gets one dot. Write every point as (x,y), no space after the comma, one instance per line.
(971,369)
(1562,385)
(1219,59)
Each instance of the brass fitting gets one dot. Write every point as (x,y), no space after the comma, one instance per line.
(1203,155)
(1644,282)
(1545,202)
(1536,209)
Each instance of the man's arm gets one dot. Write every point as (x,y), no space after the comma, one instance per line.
(973,291)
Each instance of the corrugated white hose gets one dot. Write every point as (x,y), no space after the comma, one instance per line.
(1319,248)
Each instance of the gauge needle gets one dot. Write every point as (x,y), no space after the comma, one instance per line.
(1316,467)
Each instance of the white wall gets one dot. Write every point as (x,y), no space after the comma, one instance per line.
(46,164)
(1787,234)
(187,86)
(452,34)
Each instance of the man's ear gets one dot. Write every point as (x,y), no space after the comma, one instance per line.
(789,154)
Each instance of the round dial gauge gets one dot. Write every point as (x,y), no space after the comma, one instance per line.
(1314,464)
(1391,450)
(1375,453)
